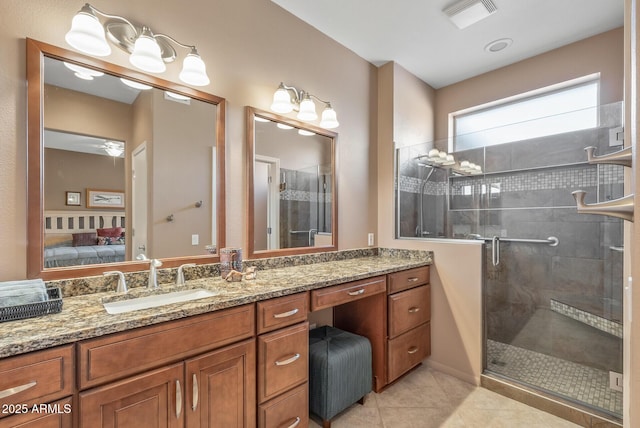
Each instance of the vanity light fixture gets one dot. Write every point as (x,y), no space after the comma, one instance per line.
(305,132)
(148,51)
(83,73)
(288,98)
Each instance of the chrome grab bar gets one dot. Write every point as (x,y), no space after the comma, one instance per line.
(552,241)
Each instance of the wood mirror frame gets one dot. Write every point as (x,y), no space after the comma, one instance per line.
(36,52)
(252,253)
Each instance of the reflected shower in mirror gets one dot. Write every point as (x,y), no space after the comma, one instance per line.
(130,165)
(292,199)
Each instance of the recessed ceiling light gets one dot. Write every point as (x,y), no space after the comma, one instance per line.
(498,45)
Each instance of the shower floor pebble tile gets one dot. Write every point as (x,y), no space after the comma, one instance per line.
(577,381)
(426,398)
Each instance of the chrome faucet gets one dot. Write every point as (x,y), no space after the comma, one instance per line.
(122,283)
(180,274)
(153,273)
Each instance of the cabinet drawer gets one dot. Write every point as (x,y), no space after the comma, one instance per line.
(283,360)
(408,309)
(281,312)
(36,378)
(116,356)
(58,415)
(408,279)
(344,293)
(290,410)
(408,350)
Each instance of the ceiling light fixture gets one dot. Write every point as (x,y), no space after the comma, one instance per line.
(498,45)
(288,98)
(467,12)
(149,51)
(113,148)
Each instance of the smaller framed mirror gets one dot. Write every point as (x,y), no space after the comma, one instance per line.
(292,200)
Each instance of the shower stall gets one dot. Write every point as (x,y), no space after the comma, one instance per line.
(552,286)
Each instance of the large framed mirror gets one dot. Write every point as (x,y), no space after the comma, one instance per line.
(119,164)
(292,200)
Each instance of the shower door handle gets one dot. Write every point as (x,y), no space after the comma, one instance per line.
(495,250)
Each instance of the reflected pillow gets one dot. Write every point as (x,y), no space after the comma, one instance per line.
(111,232)
(82,239)
(108,240)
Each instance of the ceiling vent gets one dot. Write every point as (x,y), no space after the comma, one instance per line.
(467,12)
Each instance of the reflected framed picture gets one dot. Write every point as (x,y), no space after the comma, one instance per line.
(73,198)
(105,198)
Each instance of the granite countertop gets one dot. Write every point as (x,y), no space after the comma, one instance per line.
(84,316)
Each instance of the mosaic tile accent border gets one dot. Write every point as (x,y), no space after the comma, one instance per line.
(304,196)
(587,318)
(575,381)
(569,177)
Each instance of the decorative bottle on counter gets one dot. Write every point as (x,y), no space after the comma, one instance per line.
(230,259)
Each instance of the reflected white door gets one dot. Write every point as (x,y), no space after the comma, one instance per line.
(138,235)
(266,189)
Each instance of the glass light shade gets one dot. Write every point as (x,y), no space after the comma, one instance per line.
(135,85)
(305,132)
(87,34)
(284,126)
(329,118)
(307,110)
(146,54)
(282,101)
(175,96)
(194,71)
(83,72)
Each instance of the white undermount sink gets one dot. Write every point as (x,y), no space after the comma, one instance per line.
(156,300)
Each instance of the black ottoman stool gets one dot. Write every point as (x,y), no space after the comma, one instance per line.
(340,372)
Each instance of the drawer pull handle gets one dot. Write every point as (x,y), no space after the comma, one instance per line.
(288,360)
(413,350)
(295,423)
(196,392)
(178,399)
(413,310)
(412,279)
(286,314)
(356,293)
(16,389)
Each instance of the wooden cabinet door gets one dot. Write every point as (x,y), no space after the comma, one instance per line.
(150,400)
(221,388)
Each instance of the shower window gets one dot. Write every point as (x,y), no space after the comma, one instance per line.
(565,107)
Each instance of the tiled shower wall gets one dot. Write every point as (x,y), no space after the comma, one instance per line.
(525,192)
(305,203)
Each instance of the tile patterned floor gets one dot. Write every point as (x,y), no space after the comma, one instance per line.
(576,381)
(426,398)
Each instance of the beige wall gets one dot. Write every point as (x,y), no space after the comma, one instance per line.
(182,157)
(405,115)
(73,171)
(80,113)
(249,47)
(601,53)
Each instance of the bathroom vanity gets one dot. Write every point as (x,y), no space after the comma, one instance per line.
(239,358)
